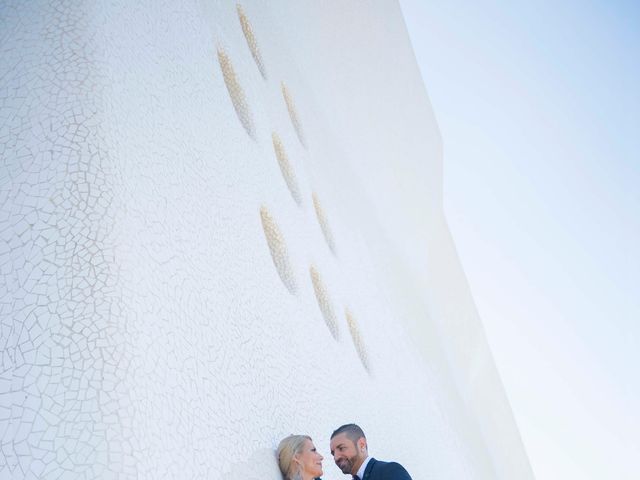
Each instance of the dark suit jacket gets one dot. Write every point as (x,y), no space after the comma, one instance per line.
(377,470)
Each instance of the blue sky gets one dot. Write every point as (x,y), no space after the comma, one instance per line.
(539,108)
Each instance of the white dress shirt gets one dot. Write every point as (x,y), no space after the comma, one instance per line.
(363,467)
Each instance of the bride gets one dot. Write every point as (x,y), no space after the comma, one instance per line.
(298,458)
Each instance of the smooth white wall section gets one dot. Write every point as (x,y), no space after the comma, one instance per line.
(223,224)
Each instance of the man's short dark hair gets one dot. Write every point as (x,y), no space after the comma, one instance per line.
(353,432)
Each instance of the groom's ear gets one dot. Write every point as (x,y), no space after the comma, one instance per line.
(362,444)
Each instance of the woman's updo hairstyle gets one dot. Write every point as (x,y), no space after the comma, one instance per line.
(288,448)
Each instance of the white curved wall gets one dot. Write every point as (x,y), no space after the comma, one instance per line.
(223,225)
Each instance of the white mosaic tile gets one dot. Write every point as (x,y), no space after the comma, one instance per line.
(147,323)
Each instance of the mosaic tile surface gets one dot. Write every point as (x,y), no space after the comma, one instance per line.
(162,313)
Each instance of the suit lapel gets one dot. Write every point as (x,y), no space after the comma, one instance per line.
(367,471)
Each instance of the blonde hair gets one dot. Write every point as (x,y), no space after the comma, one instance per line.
(288,448)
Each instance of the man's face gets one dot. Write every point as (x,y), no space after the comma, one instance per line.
(347,454)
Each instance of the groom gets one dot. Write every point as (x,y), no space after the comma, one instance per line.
(349,449)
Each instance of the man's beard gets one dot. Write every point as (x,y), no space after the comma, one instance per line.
(346,464)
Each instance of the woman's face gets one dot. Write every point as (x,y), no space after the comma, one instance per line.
(310,460)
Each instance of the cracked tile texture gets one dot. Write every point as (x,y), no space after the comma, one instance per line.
(145,331)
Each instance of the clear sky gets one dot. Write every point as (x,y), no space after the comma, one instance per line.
(539,109)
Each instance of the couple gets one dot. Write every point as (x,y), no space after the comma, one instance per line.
(299,460)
